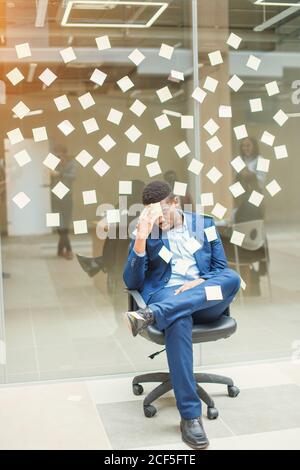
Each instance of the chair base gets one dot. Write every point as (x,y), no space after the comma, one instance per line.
(166,385)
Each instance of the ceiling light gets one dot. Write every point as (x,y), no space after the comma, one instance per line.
(277,4)
(35,112)
(41,13)
(91,5)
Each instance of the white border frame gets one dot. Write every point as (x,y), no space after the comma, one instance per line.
(64,22)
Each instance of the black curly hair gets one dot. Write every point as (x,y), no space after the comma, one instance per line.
(156,191)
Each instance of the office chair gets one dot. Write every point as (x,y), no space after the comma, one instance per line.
(223,328)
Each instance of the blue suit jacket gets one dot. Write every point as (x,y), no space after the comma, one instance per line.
(150,273)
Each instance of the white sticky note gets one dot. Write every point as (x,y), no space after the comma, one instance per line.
(225,111)
(86,100)
(181,266)
(176,76)
(211,126)
(90,125)
(253,62)
(80,227)
(207,199)
(115,116)
(22,157)
(237,238)
(136,57)
(156,210)
(15,76)
(215,58)
(98,77)
(240,132)
(21,200)
(52,219)
(182,149)
(113,216)
(107,143)
(267,138)
(15,136)
(84,158)
(39,134)
(51,161)
(187,122)
(125,187)
(68,55)
(281,152)
(162,122)
(20,110)
(195,166)
(238,164)
(256,198)
(133,133)
(101,167)
(23,50)
(62,102)
(153,169)
(210,84)
(280,117)
(165,254)
(273,188)
(89,197)
(214,144)
(199,95)
(151,150)
(179,188)
(236,189)
(272,88)
(60,190)
(125,84)
(263,164)
(219,211)
(214,175)
(164,94)
(66,127)
(211,233)
(234,41)
(133,159)
(213,293)
(138,108)
(47,77)
(256,105)
(192,245)
(166,51)
(103,43)
(235,83)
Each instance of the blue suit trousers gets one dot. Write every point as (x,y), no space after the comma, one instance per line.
(175,315)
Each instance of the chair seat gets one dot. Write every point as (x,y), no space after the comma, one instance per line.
(202,333)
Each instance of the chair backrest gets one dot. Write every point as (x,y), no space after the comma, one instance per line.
(254,231)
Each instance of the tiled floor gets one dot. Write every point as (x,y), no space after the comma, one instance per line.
(104,414)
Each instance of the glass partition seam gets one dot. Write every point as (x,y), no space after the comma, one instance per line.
(2,325)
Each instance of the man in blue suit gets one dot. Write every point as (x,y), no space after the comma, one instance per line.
(184,279)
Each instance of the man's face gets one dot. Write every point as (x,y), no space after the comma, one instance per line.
(170,212)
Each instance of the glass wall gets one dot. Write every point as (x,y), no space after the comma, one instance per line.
(57,322)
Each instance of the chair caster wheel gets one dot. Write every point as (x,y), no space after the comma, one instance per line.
(150,411)
(233,391)
(212,413)
(137,389)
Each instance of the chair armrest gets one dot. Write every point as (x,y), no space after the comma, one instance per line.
(137,298)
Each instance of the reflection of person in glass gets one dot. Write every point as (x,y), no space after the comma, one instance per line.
(64,172)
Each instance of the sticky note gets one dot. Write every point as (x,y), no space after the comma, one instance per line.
(80,227)
(280,117)
(156,210)
(107,143)
(256,198)
(237,238)
(136,57)
(166,51)
(195,166)
(211,233)
(187,122)
(238,164)
(53,219)
(235,83)
(214,175)
(22,158)
(21,200)
(273,188)
(138,108)
(151,150)
(66,127)
(133,133)
(113,216)
(90,125)
(60,190)
(15,136)
(51,161)
(263,164)
(219,211)
(115,116)
(211,126)
(240,132)
(98,77)
(210,84)
(215,58)
(83,158)
(267,138)
(20,110)
(207,199)
(181,266)
(225,111)
(86,100)
(214,144)
(281,152)
(153,169)
(47,77)
(179,188)
(272,88)
(103,43)
(182,149)
(62,102)
(68,55)
(213,293)
(236,189)
(192,245)
(175,75)
(133,159)
(253,62)
(165,254)
(125,187)
(234,41)
(101,167)
(125,84)
(89,197)
(39,134)
(199,95)
(164,94)
(256,105)
(15,76)
(162,122)
(23,50)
